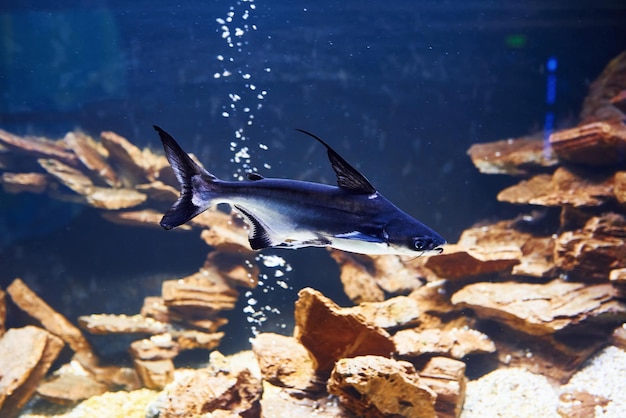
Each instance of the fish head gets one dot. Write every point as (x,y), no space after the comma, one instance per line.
(414,238)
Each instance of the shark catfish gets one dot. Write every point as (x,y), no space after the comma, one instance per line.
(285,213)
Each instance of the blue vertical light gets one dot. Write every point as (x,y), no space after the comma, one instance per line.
(548,125)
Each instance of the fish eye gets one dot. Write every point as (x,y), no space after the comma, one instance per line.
(422,244)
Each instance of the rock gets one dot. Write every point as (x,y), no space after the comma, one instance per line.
(368,278)
(591,253)
(596,143)
(50,319)
(69,388)
(432,298)
(515,157)
(392,313)
(282,402)
(24,182)
(612,80)
(359,282)
(86,150)
(25,356)
(461,262)
(446,377)
(225,390)
(159,191)
(619,186)
(226,232)
(126,159)
(121,324)
(575,187)
(617,278)
(537,258)
(114,199)
(205,290)
(157,347)
(619,101)
(456,342)
(3,312)
(329,333)
(285,362)
(154,374)
(37,147)
(238,267)
(541,309)
(191,339)
(69,176)
(154,307)
(145,217)
(580,404)
(618,338)
(116,404)
(374,386)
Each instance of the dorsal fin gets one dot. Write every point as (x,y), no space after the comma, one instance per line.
(348,177)
(255,176)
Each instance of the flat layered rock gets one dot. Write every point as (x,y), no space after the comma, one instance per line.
(455,342)
(126,158)
(67,175)
(446,377)
(114,199)
(121,324)
(542,309)
(51,320)
(578,188)
(157,347)
(154,374)
(329,333)
(204,290)
(374,386)
(519,156)
(24,182)
(285,362)
(611,82)
(597,143)
(70,388)
(37,147)
(25,356)
(87,151)
(592,252)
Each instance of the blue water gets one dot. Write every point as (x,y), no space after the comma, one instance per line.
(401,89)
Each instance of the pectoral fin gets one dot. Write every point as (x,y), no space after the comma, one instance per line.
(259,235)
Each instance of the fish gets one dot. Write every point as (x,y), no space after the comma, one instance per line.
(284,213)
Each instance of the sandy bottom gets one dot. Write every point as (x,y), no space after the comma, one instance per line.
(515,392)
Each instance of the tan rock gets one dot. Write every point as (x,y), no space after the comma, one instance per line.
(154,307)
(114,199)
(359,281)
(204,290)
(50,319)
(512,156)
(37,147)
(329,333)
(86,150)
(610,82)
(446,377)
(226,232)
(159,191)
(591,253)
(456,342)
(285,362)
(460,262)
(238,267)
(25,356)
(145,217)
(618,338)
(541,309)
(67,175)
(577,188)
(282,402)
(432,298)
(619,101)
(126,159)
(24,182)
(155,374)
(3,312)
(596,143)
(70,388)
(619,186)
(121,324)
(204,391)
(191,339)
(580,404)
(537,258)
(157,347)
(400,311)
(374,386)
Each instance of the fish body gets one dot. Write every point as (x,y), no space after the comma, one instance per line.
(286,213)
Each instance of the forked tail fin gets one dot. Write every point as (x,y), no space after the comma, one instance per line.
(188,173)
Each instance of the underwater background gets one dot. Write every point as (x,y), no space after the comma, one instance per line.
(401,89)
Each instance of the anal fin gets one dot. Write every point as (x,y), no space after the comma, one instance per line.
(259,237)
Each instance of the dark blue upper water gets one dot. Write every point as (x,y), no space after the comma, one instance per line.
(401,89)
